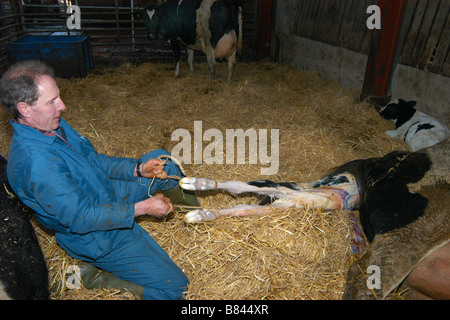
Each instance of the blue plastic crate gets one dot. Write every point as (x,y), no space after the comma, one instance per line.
(70,56)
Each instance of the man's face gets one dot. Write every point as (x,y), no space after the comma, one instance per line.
(45,113)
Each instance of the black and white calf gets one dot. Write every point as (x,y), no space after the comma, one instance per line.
(416,128)
(334,192)
(211,26)
(404,221)
(23,271)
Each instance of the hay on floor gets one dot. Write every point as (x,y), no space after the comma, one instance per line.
(294,254)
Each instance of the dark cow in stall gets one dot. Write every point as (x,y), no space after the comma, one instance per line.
(23,271)
(403,204)
(211,26)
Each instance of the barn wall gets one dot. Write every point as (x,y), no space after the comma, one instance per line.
(334,57)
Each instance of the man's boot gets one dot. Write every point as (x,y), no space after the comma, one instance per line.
(93,278)
(182,197)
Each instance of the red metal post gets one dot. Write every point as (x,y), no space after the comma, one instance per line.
(382,53)
(265,26)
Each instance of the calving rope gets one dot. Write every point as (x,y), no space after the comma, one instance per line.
(394,167)
(174,177)
(174,160)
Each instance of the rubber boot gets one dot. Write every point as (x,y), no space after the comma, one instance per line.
(93,278)
(182,197)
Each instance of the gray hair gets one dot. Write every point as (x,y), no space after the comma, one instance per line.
(19,84)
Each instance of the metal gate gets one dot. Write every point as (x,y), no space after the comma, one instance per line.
(115,27)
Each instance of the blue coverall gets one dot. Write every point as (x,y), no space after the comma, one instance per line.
(88,199)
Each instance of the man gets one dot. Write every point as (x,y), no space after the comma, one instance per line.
(89,199)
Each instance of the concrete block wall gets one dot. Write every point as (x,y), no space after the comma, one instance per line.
(431,91)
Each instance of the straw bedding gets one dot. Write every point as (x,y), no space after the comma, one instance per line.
(292,254)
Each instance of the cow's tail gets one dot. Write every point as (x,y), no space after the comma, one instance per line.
(239,44)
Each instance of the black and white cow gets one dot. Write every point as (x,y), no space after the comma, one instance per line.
(23,271)
(404,220)
(416,128)
(211,26)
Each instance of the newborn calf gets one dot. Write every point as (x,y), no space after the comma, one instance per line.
(416,128)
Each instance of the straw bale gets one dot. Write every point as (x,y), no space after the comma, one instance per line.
(294,254)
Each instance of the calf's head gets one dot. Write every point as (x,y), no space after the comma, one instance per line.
(398,109)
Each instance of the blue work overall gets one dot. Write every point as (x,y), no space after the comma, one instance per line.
(88,199)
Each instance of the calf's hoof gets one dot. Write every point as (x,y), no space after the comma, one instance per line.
(194,184)
(200,215)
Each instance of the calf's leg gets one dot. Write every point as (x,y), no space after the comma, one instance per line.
(337,196)
(201,215)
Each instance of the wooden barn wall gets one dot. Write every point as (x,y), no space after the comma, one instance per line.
(342,23)
(427,41)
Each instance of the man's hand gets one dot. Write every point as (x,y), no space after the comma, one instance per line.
(153,168)
(157,206)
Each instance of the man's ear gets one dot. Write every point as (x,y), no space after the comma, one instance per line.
(24,109)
